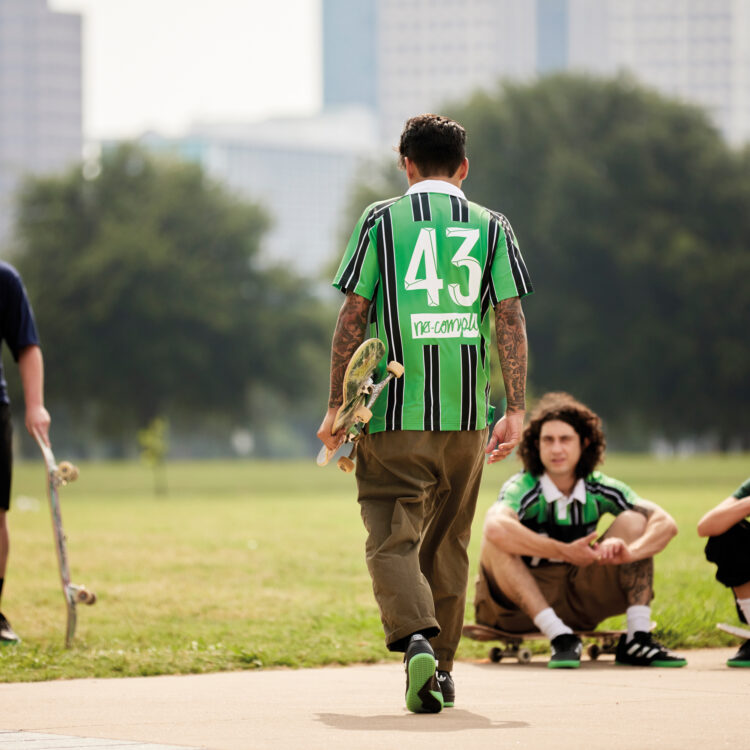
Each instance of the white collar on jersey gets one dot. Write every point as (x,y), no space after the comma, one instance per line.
(552,494)
(436,186)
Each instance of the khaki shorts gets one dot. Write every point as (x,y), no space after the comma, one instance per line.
(581,597)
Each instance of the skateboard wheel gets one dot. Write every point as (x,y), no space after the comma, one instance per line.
(395,368)
(363,414)
(83,596)
(67,471)
(496,655)
(345,464)
(593,651)
(523,656)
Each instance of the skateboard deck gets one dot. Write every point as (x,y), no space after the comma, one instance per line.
(360,393)
(59,475)
(511,643)
(734,630)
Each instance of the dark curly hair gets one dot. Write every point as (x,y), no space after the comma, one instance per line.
(436,145)
(588,425)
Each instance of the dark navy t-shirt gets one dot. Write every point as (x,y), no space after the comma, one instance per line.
(17,327)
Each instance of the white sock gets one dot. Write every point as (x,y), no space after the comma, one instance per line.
(744,605)
(639,619)
(550,624)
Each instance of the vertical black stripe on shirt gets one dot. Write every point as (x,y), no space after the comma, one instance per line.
(489,296)
(350,276)
(425,199)
(517,267)
(386,256)
(431,358)
(468,386)
(416,207)
(455,208)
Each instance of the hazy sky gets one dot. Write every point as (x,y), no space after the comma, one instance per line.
(160,64)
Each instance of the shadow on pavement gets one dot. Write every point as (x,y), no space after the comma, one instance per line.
(448,720)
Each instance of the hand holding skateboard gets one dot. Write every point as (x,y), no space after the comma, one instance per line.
(360,393)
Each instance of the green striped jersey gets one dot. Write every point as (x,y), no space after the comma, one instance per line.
(523,494)
(743,490)
(433,264)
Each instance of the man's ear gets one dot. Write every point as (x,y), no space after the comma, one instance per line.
(412,171)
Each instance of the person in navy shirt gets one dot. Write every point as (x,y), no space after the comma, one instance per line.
(18,331)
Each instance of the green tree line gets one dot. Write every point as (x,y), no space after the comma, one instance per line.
(152,300)
(633,215)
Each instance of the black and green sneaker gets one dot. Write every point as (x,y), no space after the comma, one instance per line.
(447,688)
(423,694)
(566,652)
(7,635)
(644,651)
(742,657)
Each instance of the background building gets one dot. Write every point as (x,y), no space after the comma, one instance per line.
(429,52)
(40,95)
(299,169)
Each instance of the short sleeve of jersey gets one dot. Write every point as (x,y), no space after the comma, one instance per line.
(359,270)
(516,490)
(510,278)
(743,490)
(613,496)
(16,317)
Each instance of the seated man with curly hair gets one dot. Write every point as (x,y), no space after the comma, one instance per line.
(543,565)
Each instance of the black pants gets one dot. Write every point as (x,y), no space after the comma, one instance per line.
(730,552)
(6,455)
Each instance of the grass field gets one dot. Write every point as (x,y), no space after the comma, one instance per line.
(247,565)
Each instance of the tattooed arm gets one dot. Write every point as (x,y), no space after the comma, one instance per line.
(349,334)
(510,328)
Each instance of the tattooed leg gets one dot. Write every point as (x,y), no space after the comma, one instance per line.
(637,580)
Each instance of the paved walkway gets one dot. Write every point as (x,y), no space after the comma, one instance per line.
(508,705)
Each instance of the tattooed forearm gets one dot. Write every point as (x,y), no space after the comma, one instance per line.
(637,580)
(349,334)
(510,328)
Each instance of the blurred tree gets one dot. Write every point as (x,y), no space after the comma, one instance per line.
(633,215)
(150,296)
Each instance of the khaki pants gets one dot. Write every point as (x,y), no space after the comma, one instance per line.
(581,597)
(417,495)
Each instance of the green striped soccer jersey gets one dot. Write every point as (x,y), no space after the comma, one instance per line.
(743,490)
(523,494)
(434,265)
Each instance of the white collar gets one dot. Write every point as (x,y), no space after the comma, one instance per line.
(435,186)
(552,494)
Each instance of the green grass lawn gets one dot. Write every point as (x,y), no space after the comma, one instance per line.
(247,565)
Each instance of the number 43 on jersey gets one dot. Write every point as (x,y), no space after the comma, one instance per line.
(426,249)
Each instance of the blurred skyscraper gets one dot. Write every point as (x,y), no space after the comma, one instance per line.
(429,52)
(300,169)
(349,59)
(40,95)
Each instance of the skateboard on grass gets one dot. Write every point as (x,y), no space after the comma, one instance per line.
(734,630)
(360,392)
(59,475)
(605,642)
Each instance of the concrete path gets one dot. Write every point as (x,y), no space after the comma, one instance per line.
(508,705)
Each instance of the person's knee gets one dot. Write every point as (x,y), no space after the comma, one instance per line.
(628,526)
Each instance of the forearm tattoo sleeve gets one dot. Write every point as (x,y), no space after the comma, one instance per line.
(510,327)
(349,334)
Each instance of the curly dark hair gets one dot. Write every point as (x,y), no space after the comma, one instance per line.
(588,425)
(436,145)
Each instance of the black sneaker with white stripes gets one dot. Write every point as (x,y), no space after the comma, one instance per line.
(447,687)
(644,651)
(7,635)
